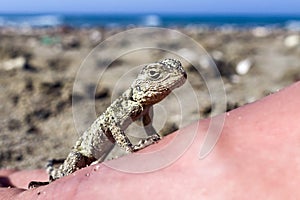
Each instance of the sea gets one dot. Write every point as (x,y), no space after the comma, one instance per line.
(287,21)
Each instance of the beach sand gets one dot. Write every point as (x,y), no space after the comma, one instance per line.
(38,68)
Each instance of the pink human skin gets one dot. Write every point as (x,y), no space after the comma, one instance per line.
(256,157)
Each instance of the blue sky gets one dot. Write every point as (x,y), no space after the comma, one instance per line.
(154,6)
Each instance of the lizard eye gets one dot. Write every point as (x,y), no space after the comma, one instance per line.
(154,74)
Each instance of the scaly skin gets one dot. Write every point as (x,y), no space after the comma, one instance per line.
(153,84)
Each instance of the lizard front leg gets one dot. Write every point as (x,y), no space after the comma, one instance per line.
(147,121)
(153,136)
(123,141)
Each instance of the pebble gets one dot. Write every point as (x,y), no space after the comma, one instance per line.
(96,36)
(217,55)
(260,32)
(292,41)
(235,78)
(97,167)
(15,63)
(205,62)
(243,66)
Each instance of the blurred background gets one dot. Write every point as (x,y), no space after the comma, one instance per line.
(254,44)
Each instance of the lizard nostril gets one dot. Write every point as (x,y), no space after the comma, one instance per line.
(185,75)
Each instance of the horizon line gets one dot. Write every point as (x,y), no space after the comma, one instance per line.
(148,13)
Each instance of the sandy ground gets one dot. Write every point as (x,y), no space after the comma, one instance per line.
(42,113)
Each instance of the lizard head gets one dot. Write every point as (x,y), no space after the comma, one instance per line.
(157,80)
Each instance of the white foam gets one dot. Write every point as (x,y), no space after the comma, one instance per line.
(2,21)
(293,25)
(45,20)
(31,20)
(152,20)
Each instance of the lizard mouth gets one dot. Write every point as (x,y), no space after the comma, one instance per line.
(180,82)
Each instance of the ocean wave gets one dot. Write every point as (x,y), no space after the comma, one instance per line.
(151,20)
(31,20)
(2,21)
(165,20)
(293,25)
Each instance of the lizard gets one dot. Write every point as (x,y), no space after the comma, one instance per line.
(154,82)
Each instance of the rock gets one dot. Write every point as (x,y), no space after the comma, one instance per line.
(205,62)
(231,105)
(260,32)
(48,40)
(95,36)
(71,42)
(15,63)
(15,99)
(206,111)
(217,55)
(243,66)
(235,79)
(61,105)
(14,124)
(292,41)
(225,67)
(51,88)
(58,64)
(28,86)
(38,115)
(32,130)
(76,98)
(101,92)
(168,128)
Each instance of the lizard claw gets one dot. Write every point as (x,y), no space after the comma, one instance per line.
(146,142)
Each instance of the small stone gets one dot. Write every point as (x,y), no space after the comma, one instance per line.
(217,55)
(96,36)
(15,99)
(28,85)
(260,32)
(206,111)
(231,105)
(14,124)
(101,92)
(15,63)
(42,114)
(292,41)
(71,42)
(235,79)
(205,62)
(97,167)
(32,130)
(51,88)
(76,98)
(168,128)
(243,66)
